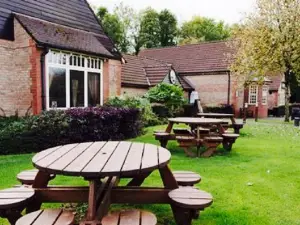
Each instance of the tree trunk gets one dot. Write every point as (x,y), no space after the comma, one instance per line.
(287,95)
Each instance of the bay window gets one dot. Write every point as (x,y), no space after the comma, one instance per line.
(73,80)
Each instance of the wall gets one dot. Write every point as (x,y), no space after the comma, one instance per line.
(212,89)
(20,85)
(111,78)
(262,109)
(132,91)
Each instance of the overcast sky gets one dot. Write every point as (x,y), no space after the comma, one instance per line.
(231,11)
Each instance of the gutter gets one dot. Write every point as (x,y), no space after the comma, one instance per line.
(43,75)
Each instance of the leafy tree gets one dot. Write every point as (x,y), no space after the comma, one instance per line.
(150,28)
(203,29)
(101,12)
(269,40)
(168,28)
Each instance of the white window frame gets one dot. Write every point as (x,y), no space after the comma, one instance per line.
(252,94)
(264,95)
(56,62)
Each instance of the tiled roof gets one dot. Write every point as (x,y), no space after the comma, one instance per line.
(62,37)
(276,82)
(194,58)
(145,72)
(71,13)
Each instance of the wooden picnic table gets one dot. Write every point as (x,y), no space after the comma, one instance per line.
(109,161)
(218,116)
(194,121)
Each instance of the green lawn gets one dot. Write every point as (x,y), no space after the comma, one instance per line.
(257,183)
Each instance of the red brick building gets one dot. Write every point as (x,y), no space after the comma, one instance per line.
(205,68)
(54,54)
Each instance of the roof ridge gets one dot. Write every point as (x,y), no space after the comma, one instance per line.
(181,46)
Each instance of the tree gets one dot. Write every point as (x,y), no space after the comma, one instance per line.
(168,28)
(203,29)
(267,41)
(150,28)
(111,25)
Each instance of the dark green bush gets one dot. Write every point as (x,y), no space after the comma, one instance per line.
(171,96)
(52,128)
(224,108)
(148,117)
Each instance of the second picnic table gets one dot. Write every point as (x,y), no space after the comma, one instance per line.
(103,164)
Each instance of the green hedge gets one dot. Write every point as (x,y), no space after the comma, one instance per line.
(52,128)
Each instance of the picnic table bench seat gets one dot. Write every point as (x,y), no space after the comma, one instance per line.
(190,201)
(185,142)
(182,132)
(237,127)
(186,178)
(190,198)
(48,217)
(163,137)
(229,140)
(13,201)
(130,217)
(27,177)
(211,143)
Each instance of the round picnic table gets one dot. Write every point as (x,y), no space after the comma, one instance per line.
(97,160)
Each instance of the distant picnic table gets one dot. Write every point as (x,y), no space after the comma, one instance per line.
(218,116)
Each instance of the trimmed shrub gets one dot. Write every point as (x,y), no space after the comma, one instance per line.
(171,96)
(52,128)
(149,118)
(227,109)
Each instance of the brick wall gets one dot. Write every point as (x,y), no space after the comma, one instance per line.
(111,78)
(213,89)
(132,91)
(19,74)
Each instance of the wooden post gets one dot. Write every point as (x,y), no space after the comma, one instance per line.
(245,113)
(256,111)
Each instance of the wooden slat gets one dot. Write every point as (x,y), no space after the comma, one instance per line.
(111,219)
(148,218)
(164,156)
(15,195)
(99,161)
(49,159)
(43,154)
(48,217)
(134,158)
(68,158)
(29,218)
(5,202)
(116,161)
(130,217)
(150,157)
(66,218)
(78,164)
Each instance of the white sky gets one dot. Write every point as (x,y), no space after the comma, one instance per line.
(231,11)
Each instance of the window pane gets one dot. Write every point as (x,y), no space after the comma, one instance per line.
(77,88)
(57,87)
(93,89)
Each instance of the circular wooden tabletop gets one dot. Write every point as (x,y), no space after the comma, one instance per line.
(101,159)
(195,120)
(216,115)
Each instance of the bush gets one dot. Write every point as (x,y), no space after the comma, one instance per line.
(52,128)
(227,109)
(148,117)
(171,96)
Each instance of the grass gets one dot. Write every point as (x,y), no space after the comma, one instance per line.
(256,184)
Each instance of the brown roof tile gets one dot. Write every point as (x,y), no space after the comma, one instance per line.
(194,58)
(142,71)
(62,37)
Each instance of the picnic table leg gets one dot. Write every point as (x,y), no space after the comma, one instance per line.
(139,180)
(41,181)
(12,215)
(169,127)
(182,216)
